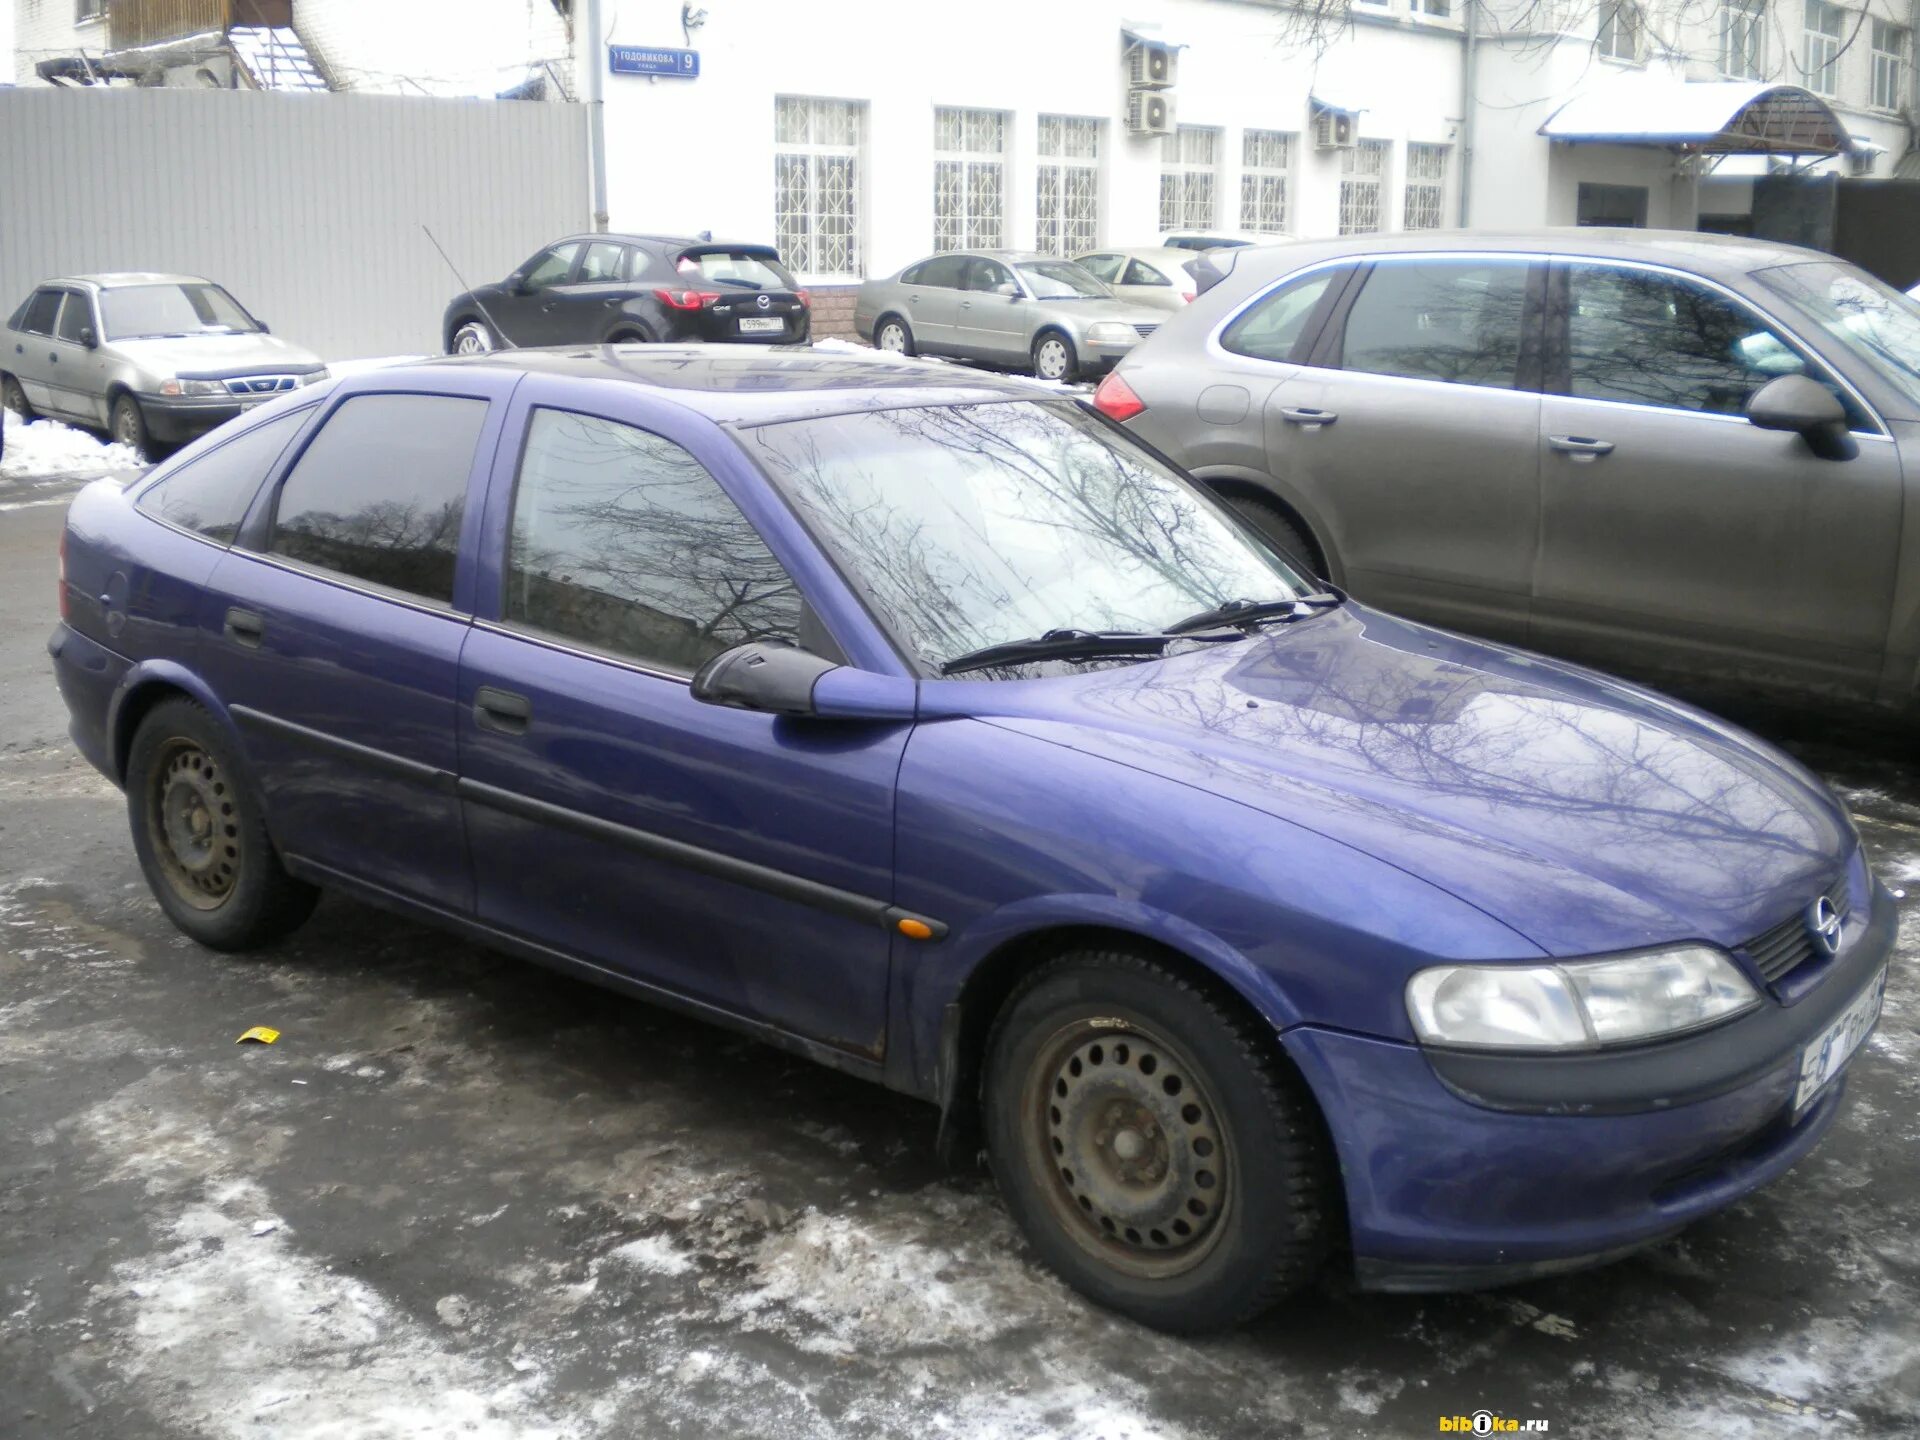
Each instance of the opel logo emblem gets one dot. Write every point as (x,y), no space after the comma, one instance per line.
(1824,921)
(763,302)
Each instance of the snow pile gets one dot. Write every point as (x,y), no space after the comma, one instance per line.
(46,449)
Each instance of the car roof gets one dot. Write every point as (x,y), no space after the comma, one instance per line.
(753,384)
(119,279)
(1722,255)
(1015,257)
(1164,254)
(668,241)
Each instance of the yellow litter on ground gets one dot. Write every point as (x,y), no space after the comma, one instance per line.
(265,1034)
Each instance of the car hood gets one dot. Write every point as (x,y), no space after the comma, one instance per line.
(1585,814)
(215,356)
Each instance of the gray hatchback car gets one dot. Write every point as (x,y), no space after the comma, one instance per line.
(152,359)
(1007,307)
(1660,452)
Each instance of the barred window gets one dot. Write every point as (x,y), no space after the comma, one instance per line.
(1890,45)
(1426,186)
(1826,27)
(1266,160)
(816,184)
(1189,179)
(1363,173)
(1743,39)
(969,179)
(1067,186)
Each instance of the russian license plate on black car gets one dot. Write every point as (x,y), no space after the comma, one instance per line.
(1827,1053)
(758,325)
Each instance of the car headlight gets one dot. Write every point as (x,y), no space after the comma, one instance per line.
(1578,1005)
(1107,332)
(193,387)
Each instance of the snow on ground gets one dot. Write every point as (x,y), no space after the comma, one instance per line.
(47,449)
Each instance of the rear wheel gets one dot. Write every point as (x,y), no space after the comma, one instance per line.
(14,398)
(129,425)
(474,337)
(632,335)
(893,336)
(1278,527)
(1153,1144)
(1054,357)
(201,840)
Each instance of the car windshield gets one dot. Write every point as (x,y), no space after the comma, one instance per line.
(135,312)
(974,525)
(1062,280)
(744,268)
(1871,319)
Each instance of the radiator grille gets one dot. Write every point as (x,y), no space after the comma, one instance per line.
(1778,952)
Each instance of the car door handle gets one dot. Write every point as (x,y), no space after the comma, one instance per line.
(1583,448)
(244,627)
(1308,416)
(501,711)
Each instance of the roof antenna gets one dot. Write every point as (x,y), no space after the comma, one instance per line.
(505,339)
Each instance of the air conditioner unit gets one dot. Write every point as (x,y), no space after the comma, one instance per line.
(1149,112)
(1333,130)
(1151,65)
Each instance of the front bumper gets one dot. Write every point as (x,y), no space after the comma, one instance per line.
(1455,1181)
(172,418)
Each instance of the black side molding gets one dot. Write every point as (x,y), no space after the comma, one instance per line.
(384,762)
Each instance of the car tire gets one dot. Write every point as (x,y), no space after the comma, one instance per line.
(127,425)
(15,399)
(200,836)
(1154,1144)
(473,336)
(1279,529)
(631,335)
(894,336)
(1054,357)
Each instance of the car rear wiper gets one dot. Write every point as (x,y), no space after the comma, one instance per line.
(1058,645)
(1244,612)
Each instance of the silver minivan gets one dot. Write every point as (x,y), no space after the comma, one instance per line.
(1669,453)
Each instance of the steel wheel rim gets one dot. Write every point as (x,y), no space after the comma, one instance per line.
(195,825)
(471,339)
(1128,1148)
(15,399)
(893,339)
(1053,359)
(126,425)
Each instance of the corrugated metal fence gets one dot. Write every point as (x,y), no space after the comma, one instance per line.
(307,207)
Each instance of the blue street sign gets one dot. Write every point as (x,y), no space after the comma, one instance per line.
(645,60)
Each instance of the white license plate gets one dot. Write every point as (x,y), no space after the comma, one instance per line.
(768,326)
(1827,1053)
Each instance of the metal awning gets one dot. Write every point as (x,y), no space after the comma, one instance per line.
(1714,117)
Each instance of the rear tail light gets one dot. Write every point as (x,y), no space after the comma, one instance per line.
(66,604)
(806,298)
(1115,398)
(686,299)
(1188,296)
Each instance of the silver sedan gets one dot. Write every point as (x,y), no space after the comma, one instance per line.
(1155,276)
(152,359)
(1010,307)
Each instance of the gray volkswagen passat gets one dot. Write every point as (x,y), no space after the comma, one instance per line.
(152,359)
(1008,307)
(1672,453)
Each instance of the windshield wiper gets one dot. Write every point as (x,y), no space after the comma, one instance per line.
(1246,612)
(1058,645)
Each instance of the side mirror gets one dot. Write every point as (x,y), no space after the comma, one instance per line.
(780,679)
(1809,410)
(1008,289)
(517,285)
(265,329)
(88,338)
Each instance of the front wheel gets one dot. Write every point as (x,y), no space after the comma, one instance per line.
(1153,1144)
(1054,358)
(201,840)
(474,337)
(129,425)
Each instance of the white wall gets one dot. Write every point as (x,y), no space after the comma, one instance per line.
(692,155)
(45,30)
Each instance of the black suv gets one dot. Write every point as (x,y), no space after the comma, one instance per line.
(612,288)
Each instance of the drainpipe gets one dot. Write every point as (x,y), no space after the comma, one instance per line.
(1469,107)
(596,87)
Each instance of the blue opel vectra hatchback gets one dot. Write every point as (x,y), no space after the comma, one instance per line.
(929,725)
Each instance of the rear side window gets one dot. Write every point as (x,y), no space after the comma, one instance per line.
(210,495)
(1272,327)
(37,317)
(380,492)
(1456,321)
(623,542)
